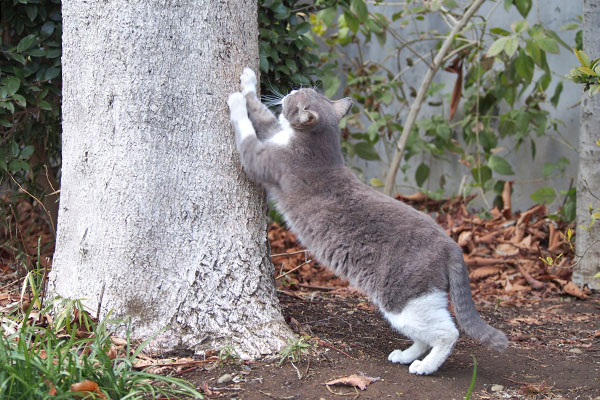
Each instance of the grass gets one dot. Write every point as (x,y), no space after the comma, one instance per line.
(473,380)
(58,351)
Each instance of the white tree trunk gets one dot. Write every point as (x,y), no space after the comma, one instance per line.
(588,187)
(154,205)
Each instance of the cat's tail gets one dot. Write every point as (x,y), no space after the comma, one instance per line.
(466,315)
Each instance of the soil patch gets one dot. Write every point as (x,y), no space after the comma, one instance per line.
(554,353)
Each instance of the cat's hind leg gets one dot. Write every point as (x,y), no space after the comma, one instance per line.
(425,320)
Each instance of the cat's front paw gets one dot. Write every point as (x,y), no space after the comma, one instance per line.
(248,81)
(237,106)
(419,367)
(401,357)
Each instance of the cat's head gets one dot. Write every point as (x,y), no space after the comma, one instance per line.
(307,110)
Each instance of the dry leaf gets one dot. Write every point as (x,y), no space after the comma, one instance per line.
(574,290)
(87,386)
(464,238)
(358,381)
(484,272)
(507,249)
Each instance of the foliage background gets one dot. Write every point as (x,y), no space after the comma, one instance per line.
(505,89)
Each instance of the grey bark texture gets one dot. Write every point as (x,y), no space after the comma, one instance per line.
(155,210)
(588,186)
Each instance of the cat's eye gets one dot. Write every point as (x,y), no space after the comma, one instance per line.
(305,108)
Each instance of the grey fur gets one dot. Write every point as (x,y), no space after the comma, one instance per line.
(391,251)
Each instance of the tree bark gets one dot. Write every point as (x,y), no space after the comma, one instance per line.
(157,221)
(588,187)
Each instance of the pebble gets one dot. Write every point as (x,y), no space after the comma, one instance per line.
(576,351)
(497,388)
(225,379)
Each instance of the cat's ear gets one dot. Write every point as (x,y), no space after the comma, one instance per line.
(308,118)
(342,107)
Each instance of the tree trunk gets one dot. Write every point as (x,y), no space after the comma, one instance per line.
(588,187)
(155,211)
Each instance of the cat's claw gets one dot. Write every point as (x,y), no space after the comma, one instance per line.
(248,81)
(237,106)
(419,367)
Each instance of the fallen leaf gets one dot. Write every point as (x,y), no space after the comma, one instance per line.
(484,272)
(87,386)
(574,290)
(507,249)
(358,381)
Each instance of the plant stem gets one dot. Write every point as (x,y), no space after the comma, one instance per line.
(416,106)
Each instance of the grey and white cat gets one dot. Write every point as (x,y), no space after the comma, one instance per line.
(397,255)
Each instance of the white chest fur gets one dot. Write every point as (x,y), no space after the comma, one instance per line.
(284,136)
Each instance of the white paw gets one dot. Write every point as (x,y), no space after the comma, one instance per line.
(237,106)
(421,368)
(401,357)
(248,81)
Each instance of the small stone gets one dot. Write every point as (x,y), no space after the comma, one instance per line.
(225,379)
(576,351)
(497,388)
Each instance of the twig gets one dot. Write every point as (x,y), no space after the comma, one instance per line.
(275,397)
(38,200)
(324,343)
(416,106)
(293,269)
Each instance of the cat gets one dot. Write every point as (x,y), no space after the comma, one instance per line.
(398,256)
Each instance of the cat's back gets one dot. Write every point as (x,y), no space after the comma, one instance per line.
(334,203)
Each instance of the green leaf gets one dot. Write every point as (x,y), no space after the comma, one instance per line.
(44,105)
(421,174)
(524,66)
(499,165)
(360,9)
(47,29)
(25,43)
(12,85)
(302,28)
(263,62)
(51,73)
(556,96)
(519,26)
(366,151)
(497,47)
(481,174)
(523,6)
(546,43)
(534,51)
(376,182)
(328,15)
(584,60)
(20,100)
(548,169)
(569,27)
(32,12)
(332,84)
(499,31)
(351,21)
(26,152)
(512,44)
(545,195)
(18,165)
(507,4)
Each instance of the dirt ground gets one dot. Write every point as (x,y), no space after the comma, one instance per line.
(554,353)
